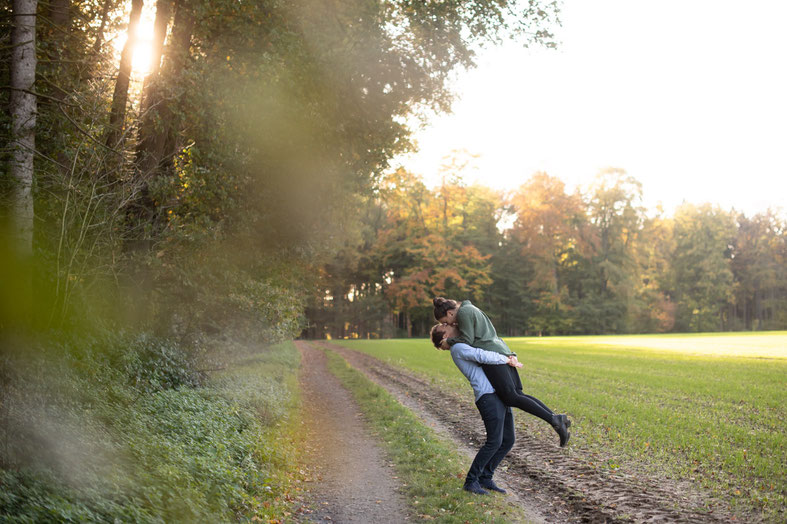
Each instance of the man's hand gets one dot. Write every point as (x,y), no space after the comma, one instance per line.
(513,362)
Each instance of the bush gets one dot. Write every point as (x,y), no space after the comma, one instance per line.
(194,455)
(153,364)
(118,428)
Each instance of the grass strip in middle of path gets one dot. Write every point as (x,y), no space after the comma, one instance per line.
(430,468)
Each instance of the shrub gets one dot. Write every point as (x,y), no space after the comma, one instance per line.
(117,428)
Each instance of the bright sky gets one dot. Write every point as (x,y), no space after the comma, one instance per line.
(688,96)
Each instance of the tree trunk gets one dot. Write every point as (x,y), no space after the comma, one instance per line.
(159,127)
(22,109)
(117,114)
(151,143)
(108,4)
(54,37)
(59,12)
(731,318)
(173,67)
(163,16)
(744,309)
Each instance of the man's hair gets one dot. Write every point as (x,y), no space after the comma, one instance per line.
(443,306)
(436,334)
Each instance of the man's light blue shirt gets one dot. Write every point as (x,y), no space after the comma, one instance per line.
(469,359)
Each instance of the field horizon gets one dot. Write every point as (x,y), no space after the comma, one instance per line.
(752,344)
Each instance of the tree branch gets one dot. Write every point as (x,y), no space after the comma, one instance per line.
(39,95)
(88,135)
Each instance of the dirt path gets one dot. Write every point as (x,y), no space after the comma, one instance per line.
(551,485)
(350,479)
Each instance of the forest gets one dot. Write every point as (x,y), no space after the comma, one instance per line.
(545,261)
(231,184)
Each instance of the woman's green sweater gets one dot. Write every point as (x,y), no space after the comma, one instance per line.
(475,329)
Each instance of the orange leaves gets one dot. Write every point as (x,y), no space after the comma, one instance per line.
(431,239)
(548,225)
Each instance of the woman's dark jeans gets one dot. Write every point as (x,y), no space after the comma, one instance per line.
(508,386)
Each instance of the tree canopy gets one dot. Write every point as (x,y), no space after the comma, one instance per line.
(219,181)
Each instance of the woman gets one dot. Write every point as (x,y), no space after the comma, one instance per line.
(475,329)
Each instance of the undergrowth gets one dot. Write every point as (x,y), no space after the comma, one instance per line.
(125,428)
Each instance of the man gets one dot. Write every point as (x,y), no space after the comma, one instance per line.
(498,419)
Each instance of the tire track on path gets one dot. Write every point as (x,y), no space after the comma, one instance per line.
(552,486)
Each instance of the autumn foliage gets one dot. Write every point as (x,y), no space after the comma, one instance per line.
(542,260)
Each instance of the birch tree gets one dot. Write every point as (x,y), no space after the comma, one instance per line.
(23,122)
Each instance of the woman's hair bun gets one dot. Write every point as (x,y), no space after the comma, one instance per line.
(442,306)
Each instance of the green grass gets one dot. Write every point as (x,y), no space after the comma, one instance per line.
(265,383)
(644,405)
(430,468)
(130,444)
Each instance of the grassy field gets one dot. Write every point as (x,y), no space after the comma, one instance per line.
(701,408)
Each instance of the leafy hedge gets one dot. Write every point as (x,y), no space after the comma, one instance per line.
(122,428)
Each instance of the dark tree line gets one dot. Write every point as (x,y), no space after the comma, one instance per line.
(584,263)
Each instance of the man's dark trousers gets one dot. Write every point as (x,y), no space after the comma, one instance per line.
(500,437)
